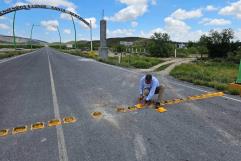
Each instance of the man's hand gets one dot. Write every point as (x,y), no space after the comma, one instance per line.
(148,103)
(141,97)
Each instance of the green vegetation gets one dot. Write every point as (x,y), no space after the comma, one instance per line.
(86,54)
(215,73)
(7,54)
(23,46)
(163,67)
(161,45)
(134,61)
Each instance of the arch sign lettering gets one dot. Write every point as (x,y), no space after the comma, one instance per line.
(27,7)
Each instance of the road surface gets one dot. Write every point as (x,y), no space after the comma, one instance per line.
(47,84)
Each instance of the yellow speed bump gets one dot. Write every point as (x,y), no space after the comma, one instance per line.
(161,110)
(132,108)
(96,114)
(20,129)
(38,125)
(54,122)
(4,132)
(139,106)
(68,120)
(121,109)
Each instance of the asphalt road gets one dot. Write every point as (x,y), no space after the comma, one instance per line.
(47,84)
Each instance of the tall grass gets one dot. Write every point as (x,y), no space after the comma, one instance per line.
(211,73)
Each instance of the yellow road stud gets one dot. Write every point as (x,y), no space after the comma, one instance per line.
(69,120)
(139,106)
(169,102)
(54,122)
(132,108)
(161,110)
(38,125)
(20,129)
(96,114)
(4,132)
(121,109)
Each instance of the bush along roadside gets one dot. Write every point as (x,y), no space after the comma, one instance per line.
(8,54)
(130,61)
(210,73)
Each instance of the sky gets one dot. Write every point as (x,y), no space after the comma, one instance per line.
(183,20)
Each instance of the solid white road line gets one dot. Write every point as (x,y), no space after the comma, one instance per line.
(60,134)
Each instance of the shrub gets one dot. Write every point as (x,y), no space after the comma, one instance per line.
(234,91)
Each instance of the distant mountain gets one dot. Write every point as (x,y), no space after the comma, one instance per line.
(20,40)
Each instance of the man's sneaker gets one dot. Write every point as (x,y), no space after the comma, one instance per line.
(157,105)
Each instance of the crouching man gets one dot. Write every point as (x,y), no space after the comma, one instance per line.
(150,86)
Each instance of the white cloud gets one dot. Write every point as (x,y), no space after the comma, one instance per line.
(4,26)
(67,16)
(134,24)
(211,8)
(150,33)
(177,29)
(232,9)
(120,33)
(133,10)
(215,22)
(50,25)
(20,4)
(182,14)
(93,22)
(56,3)
(67,31)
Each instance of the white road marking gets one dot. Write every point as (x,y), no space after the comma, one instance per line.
(140,149)
(137,73)
(16,57)
(60,134)
(204,91)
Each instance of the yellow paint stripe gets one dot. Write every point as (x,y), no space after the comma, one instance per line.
(20,129)
(96,115)
(38,125)
(68,120)
(4,132)
(54,122)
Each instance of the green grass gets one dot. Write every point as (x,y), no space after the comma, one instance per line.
(211,73)
(163,67)
(134,61)
(8,54)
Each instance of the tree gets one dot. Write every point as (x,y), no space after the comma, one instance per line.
(160,45)
(218,43)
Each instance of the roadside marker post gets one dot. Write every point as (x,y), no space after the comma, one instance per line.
(239,75)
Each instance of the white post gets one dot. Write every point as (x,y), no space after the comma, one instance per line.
(175,53)
(119,59)
(91,43)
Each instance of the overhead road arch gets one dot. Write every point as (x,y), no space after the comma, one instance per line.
(28,7)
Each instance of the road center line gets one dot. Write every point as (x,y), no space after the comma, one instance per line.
(60,134)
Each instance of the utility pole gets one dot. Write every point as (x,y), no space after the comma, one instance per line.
(31,35)
(60,43)
(91,42)
(74,32)
(14,38)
